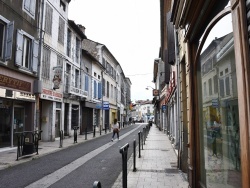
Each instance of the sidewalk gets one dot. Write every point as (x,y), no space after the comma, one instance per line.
(157,167)
(8,156)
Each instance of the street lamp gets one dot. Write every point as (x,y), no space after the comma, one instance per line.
(147,88)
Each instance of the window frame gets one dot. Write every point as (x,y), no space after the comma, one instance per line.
(33,53)
(7,39)
(31,9)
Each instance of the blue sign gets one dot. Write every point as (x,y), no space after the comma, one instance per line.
(105,105)
(163,108)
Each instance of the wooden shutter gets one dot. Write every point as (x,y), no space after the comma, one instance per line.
(170,37)
(27,4)
(95,93)
(32,7)
(9,41)
(103,87)
(19,48)
(167,67)
(99,90)
(86,83)
(35,56)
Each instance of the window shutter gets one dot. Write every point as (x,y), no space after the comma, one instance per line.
(35,56)
(32,7)
(222,93)
(9,41)
(27,4)
(170,37)
(99,90)
(19,48)
(95,90)
(86,83)
(103,87)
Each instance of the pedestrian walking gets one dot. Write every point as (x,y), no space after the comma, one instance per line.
(116,129)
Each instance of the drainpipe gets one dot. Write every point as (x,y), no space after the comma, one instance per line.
(178,114)
(38,82)
(102,104)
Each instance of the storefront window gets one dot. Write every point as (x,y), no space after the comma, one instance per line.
(218,107)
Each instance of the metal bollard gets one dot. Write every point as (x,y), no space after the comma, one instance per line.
(61,139)
(139,139)
(134,144)
(97,184)
(86,133)
(124,152)
(105,128)
(100,129)
(75,135)
(144,134)
(94,132)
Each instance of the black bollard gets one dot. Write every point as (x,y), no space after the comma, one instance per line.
(144,134)
(97,184)
(86,133)
(61,139)
(94,132)
(134,144)
(100,129)
(105,128)
(139,139)
(124,152)
(75,135)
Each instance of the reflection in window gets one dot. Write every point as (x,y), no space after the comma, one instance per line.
(219,125)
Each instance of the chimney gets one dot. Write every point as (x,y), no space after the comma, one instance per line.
(82,28)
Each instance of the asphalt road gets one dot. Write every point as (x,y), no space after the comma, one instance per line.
(77,166)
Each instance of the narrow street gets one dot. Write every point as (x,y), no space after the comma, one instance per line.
(77,166)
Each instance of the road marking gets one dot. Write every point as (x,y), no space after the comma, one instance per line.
(52,178)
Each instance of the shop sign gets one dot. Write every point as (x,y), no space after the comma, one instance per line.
(163,107)
(105,105)
(215,103)
(14,83)
(51,95)
(98,105)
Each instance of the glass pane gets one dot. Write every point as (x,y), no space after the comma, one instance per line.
(218,108)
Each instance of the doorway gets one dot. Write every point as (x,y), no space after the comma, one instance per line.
(58,123)
(18,124)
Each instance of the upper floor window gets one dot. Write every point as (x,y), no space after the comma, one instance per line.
(103,87)
(77,50)
(68,43)
(48,19)
(26,51)
(6,38)
(107,89)
(29,6)
(61,31)
(46,63)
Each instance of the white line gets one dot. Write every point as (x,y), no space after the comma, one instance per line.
(52,178)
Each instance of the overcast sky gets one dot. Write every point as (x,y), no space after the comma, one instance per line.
(130,29)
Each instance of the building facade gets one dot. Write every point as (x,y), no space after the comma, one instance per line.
(211,61)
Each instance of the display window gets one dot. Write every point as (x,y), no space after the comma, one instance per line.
(220,160)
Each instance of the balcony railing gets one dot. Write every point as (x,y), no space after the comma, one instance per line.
(75,91)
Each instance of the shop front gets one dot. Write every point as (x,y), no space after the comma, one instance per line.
(17,106)
(218,68)
(51,115)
